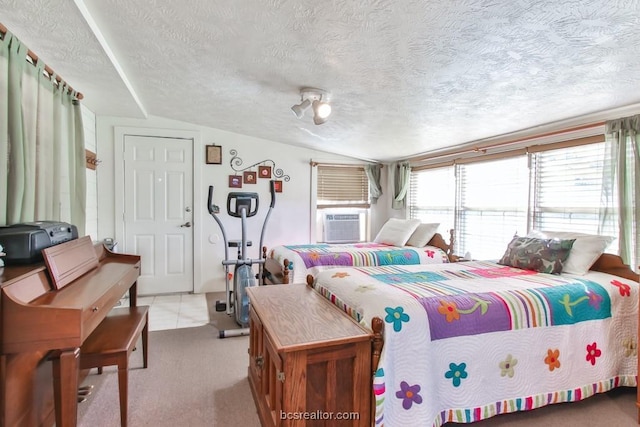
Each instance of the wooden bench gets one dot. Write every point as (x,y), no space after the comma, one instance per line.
(112,342)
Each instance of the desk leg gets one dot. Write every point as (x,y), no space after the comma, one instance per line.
(65,386)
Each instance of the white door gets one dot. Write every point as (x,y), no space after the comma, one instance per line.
(158,211)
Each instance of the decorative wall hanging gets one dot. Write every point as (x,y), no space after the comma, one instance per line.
(91,159)
(266,168)
(277,185)
(249,177)
(235,181)
(214,154)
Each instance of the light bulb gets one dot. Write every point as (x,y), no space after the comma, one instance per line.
(323,110)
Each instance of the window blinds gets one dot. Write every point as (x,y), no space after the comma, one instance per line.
(342,186)
(492,205)
(567,188)
(432,197)
(561,191)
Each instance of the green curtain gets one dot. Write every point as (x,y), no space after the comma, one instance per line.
(373,174)
(78,165)
(401,178)
(41,144)
(15,131)
(621,189)
(4,124)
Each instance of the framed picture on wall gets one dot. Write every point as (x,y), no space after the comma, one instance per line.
(277,185)
(235,181)
(214,154)
(264,171)
(249,177)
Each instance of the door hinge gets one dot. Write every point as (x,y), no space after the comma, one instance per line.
(280,376)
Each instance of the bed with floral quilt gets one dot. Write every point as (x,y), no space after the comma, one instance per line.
(467,341)
(309,259)
(399,241)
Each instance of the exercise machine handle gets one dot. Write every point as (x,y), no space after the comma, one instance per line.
(210,204)
(272,189)
(213,210)
(240,262)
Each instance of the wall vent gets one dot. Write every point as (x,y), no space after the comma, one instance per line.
(341,228)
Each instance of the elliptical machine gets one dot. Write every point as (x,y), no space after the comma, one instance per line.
(240,205)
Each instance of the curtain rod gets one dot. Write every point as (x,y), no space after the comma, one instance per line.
(32,58)
(478,147)
(314,163)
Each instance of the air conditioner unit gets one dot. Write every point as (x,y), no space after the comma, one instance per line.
(341,228)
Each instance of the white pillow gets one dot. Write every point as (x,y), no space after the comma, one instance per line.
(585,252)
(397,231)
(422,235)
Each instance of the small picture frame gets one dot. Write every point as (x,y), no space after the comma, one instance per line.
(235,181)
(264,171)
(214,154)
(249,177)
(277,186)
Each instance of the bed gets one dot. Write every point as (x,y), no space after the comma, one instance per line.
(466,341)
(404,242)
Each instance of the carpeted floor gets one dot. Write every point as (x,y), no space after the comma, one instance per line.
(196,379)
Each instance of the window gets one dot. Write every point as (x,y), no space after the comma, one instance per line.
(567,189)
(342,204)
(432,197)
(488,202)
(492,206)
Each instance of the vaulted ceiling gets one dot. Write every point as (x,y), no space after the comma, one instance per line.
(405,77)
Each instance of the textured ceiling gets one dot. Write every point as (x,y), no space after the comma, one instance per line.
(406,77)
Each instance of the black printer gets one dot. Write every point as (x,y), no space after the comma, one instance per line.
(23,243)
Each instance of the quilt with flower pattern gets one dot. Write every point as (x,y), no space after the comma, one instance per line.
(309,259)
(466,341)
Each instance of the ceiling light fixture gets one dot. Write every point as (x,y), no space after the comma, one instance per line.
(318,99)
(299,109)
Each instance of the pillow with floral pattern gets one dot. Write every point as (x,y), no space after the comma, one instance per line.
(542,255)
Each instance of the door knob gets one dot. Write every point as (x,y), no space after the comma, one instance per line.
(186,224)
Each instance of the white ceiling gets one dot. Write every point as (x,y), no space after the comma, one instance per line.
(406,77)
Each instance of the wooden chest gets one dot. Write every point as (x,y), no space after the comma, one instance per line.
(309,363)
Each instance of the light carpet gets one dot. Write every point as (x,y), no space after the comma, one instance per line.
(196,379)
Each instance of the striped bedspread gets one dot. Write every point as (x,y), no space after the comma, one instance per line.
(309,259)
(466,341)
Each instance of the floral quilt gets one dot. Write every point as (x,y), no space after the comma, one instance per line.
(467,341)
(309,259)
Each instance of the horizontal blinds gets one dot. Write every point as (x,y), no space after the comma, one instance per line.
(492,206)
(567,190)
(342,185)
(432,197)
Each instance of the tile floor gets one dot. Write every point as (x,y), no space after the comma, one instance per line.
(175,311)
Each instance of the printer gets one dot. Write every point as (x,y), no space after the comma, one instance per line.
(23,243)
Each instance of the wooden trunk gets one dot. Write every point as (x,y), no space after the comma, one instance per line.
(309,363)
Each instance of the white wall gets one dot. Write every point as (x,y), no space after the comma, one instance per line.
(289,222)
(91,223)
